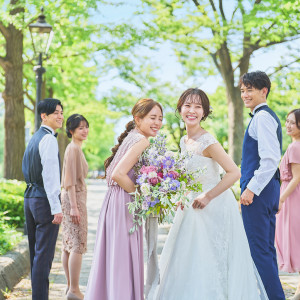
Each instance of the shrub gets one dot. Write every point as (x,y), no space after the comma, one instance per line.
(11,213)
(12,201)
(9,237)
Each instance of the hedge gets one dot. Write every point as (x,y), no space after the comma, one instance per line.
(12,201)
(11,213)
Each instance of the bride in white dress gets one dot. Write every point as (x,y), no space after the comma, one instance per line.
(206,255)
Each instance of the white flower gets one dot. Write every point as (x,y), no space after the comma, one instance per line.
(145,205)
(145,189)
(170,154)
(167,180)
(160,158)
(152,151)
(165,185)
(182,185)
(152,174)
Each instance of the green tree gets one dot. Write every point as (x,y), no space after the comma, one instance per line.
(11,61)
(1,144)
(209,39)
(72,39)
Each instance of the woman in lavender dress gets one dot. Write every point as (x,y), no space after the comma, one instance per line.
(118,266)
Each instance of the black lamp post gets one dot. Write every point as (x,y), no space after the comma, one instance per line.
(41,35)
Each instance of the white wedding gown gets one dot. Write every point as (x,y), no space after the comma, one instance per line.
(206,255)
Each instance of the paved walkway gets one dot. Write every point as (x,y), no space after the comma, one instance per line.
(96,192)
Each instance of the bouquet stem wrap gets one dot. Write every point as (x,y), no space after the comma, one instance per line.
(151,232)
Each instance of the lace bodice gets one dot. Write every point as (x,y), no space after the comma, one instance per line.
(132,138)
(211,174)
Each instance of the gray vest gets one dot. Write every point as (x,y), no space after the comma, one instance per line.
(32,167)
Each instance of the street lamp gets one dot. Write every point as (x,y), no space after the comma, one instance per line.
(41,35)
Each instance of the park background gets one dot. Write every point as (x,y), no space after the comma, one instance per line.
(105,55)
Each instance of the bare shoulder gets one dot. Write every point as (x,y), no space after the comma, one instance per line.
(143,143)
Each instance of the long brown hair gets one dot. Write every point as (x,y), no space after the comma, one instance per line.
(140,109)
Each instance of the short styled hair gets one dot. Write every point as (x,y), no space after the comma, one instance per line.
(195,95)
(73,122)
(257,79)
(48,106)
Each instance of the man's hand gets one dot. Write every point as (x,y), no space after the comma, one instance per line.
(57,218)
(247,197)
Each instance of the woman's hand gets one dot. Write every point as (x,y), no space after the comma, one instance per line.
(75,215)
(201,201)
(281,201)
(179,203)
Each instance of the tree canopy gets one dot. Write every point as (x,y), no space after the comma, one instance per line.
(211,38)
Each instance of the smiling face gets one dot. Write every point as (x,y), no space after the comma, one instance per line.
(151,123)
(81,132)
(54,120)
(192,111)
(291,126)
(252,96)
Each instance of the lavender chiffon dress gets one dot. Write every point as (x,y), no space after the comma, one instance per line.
(117,271)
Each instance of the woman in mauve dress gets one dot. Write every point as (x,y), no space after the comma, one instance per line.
(287,236)
(73,200)
(117,271)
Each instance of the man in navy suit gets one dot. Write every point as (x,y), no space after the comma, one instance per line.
(42,208)
(260,186)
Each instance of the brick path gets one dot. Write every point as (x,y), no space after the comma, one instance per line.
(96,192)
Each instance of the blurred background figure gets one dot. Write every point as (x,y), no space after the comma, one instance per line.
(287,237)
(73,198)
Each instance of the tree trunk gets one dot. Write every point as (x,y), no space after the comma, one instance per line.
(235,106)
(63,142)
(14,120)
(235,124)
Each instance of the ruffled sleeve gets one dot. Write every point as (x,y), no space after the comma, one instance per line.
(205,141)
(294,153)
(181,144)
(72,168)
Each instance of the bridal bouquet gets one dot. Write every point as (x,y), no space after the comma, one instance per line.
(162,180)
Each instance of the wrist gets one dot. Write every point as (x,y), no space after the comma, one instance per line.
(282,199)
(209,196)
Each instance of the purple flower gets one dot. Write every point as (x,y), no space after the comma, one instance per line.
(168,162)
(141,179)
(174,185)
(152,203)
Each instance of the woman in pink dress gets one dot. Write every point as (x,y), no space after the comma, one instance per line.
(117,272)
(287,237)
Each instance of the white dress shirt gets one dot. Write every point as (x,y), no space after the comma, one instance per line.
(263,129)
(48,149)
